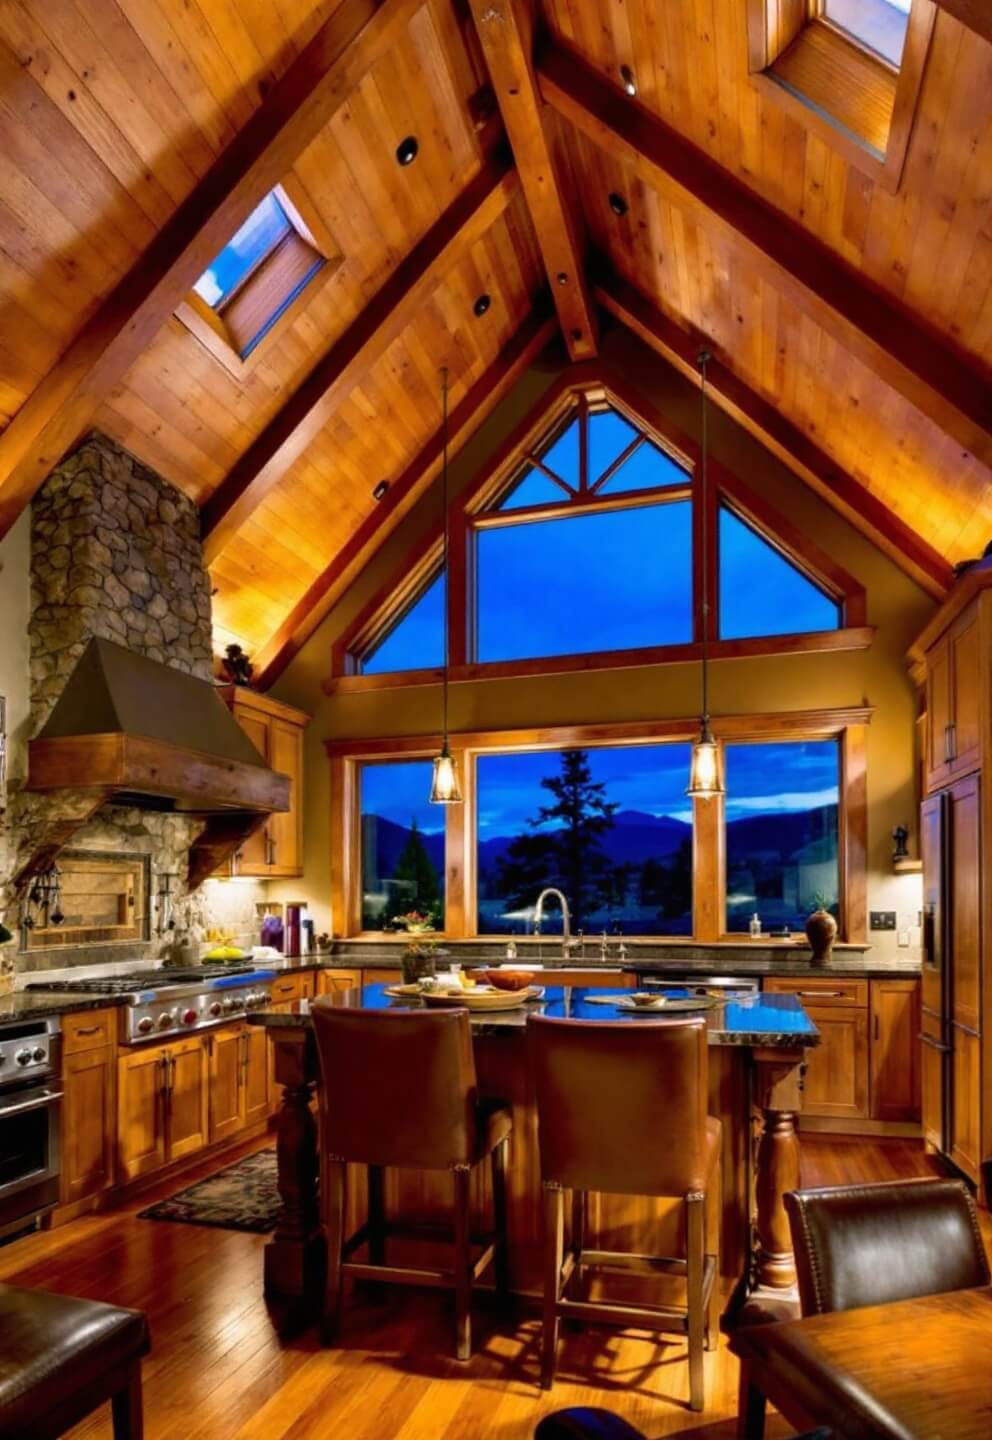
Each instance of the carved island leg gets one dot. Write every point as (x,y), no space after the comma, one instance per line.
(777,1091)
(294,1259)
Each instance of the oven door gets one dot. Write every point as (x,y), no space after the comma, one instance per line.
(30,1137)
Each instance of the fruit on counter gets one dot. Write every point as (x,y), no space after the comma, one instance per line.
(225,952)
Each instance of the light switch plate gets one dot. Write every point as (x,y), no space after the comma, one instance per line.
(882,920)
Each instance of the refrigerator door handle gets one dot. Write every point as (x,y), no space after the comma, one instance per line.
(935,1044)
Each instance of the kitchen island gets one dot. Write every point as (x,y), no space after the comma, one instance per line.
(757,1047)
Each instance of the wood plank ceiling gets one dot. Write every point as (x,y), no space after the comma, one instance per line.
(113,112)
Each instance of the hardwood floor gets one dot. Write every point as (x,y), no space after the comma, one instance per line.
(218,1371)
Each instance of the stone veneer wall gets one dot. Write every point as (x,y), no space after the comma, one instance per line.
(116,553)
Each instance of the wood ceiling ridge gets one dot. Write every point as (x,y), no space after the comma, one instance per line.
(466,418)
(353,354)
(976,14)
(770,427)
(921,366)
(297,108)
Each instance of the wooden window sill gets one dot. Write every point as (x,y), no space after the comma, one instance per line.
(849,638)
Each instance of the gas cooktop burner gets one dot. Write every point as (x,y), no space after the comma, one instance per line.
(164,1000)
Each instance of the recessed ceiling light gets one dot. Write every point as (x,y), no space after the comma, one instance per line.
(617,203)
(406,150)
(381,490)
(481,305)
(562,278)
(627,80)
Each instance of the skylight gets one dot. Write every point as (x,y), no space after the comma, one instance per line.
(266,226)
(879,25)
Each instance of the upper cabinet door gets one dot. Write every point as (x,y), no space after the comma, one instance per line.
(966,725)
(938,713)
(286,828)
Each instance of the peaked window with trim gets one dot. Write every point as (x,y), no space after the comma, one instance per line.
(588,547)
(415,640)
(764,593)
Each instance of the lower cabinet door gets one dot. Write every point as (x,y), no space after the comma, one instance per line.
(895,1050)
(89,1123)
(836,1082)
(256,1073)
(227,1082)
(141,1147)
(966,1102)
(188,1092)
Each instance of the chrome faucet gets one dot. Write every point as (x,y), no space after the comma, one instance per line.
(567,943)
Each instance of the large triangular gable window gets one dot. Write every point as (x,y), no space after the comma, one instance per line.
(588,547)
(764,593)
(415,639)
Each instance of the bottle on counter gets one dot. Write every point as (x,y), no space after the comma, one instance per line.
(511,950)
(754,928)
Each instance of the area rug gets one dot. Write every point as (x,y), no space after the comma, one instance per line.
(243,1196)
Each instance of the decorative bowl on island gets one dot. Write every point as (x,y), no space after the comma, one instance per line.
(508,979)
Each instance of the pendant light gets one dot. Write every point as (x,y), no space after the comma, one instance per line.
(704,771)
(445,789)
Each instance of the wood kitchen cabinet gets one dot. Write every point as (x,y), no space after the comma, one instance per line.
(953,717)
(239,1080)
(162,1105)
(866,1066)
(334,982)
(276,731)
(89,1122)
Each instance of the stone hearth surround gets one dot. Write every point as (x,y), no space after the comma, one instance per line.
(116,553)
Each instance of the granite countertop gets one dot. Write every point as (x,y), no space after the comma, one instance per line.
(764,960)
(776,1021)
(39,1004)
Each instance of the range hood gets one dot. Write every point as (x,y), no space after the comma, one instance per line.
(127,730)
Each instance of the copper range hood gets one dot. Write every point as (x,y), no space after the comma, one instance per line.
(127,730)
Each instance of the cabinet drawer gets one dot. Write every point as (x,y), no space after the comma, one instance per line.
(822,992)
(87,1030)
(293,987)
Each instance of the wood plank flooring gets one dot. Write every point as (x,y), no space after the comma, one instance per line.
(218,1371)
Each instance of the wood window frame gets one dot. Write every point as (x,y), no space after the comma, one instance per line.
(795,56)
(346,757)
(309,230)
(474,510)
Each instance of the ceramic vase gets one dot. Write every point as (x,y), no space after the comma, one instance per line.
(821,932)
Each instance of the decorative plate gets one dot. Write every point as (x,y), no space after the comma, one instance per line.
(666,1006)
(480,999)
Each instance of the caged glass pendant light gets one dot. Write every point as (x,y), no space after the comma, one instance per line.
(705,778)
(445,787)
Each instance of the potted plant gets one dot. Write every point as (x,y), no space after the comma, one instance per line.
(323,945)
(6,960)
(419,954)
(821,930)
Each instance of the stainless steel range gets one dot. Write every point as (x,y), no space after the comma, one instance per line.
(166,1002)
(30,1121)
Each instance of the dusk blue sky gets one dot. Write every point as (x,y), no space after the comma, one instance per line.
(761,779)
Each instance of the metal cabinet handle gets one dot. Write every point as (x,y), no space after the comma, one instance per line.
(821,994)
(88,1030)
(934,1044)
(877,1029)
(950,742)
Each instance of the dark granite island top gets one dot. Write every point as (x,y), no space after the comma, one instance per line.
(41,1004)
(756,1051)
(766,1021)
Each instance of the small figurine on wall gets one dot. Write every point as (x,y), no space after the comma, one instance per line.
(900,836)
(238,669)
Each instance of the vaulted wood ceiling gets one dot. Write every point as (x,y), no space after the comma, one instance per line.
(853,325)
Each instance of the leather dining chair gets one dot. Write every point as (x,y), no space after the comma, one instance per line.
(583,1422)
(859,1245)
(399,1090)
(622,1109)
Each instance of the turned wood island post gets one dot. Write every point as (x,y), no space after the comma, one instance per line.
(756,1053)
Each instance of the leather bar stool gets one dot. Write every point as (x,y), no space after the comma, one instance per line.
(622,1109)
(61,1357)
(861,1245)
(585,1423)
(399,1089)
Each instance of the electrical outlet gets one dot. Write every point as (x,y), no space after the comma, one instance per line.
(882,920)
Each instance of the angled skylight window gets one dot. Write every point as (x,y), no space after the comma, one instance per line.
(646,468)
(879,25)
(609,436)
(257,277)
(534,488)
(244,252)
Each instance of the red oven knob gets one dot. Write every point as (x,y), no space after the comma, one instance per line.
(189,1017)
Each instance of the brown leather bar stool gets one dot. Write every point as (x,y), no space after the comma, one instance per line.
(622,1109)
(399,1089)
(61,1357)
(872,1244)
